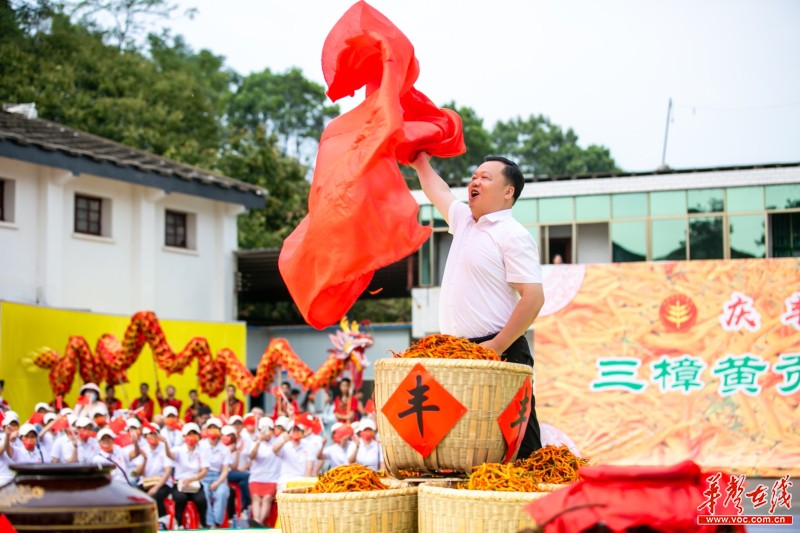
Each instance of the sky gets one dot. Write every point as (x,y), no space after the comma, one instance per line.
(605,68)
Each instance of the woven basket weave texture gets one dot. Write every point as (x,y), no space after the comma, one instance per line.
(485,388)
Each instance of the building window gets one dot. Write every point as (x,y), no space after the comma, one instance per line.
(176,234)
(705,238)
(2,200)
(785,234)
(668,238)
(7,200)
(629,241)
(88,215)
(747,236)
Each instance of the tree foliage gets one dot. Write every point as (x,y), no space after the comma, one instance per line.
(542,148)
(88,64)
(287,105)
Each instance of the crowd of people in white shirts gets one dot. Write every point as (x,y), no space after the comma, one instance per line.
(196,461)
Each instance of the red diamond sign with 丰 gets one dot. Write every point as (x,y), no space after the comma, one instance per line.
(513,420)
(422,411)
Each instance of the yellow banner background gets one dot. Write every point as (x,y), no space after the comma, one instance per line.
(615,313)
(26,328)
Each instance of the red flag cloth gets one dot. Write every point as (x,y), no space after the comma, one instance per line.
(123,439)
(118,425)
(36,418)
(60,423)
(620,497)
(361,215)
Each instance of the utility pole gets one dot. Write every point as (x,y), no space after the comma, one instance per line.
(666,136)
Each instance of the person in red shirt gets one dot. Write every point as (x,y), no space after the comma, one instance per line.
(345,406)
(143,405)
(169,399)
(112,403)
(232,405)
(194,405)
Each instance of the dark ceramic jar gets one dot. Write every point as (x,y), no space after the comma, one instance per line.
(74,497)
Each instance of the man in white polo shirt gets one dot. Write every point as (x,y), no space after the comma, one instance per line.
(492,285)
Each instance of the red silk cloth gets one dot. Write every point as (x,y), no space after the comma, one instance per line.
(665,499)
(361,215)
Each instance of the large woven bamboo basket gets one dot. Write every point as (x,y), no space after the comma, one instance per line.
(443,509)
(485,388)
(375,511)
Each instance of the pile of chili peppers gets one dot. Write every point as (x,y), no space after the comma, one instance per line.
(548,465)
(348,478)
(448,347)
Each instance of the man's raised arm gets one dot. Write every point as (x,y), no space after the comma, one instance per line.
(434,187)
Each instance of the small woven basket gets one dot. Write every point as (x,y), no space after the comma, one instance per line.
(374,511)
(443,509)
(485,388)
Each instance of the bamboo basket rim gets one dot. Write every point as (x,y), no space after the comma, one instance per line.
(301,494)
(439,488)
(470,364)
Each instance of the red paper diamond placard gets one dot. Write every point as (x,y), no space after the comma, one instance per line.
(422,411)
(513,420)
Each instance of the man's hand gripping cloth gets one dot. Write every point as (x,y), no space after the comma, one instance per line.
(361,215)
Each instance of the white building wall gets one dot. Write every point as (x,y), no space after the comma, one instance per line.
(18,241)
(42,260)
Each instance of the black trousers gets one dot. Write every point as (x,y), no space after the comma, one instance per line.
(161,495)
(182,498)
(520,352)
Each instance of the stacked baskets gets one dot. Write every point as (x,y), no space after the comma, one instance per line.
(485,389)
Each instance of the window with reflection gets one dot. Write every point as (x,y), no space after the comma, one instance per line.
(668,238)
(783,196)
(705,238)
(628,241)
(747,236)
(594,207)
(706,201)
(745,199)
(629,205)
(667,203)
